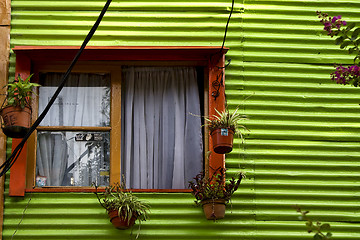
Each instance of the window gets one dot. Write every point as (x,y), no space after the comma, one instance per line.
(111,124)
(74,157)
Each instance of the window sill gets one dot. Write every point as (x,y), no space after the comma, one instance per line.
(91,190)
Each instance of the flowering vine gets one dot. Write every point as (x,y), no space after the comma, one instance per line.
(348,38)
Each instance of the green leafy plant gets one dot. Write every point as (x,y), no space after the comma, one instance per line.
(116,197)
(347,36)
(215,186)
(225,119)
(315,227)
(20,91)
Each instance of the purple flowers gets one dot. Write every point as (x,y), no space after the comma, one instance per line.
(215,186)
(347,38)
(332,25)
(346,75)
(336,21)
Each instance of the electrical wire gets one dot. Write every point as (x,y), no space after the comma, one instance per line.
(15,154)
(22,216)
(220,77)
(227,25)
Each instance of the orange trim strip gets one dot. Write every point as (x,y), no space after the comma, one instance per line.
(118,53)
(208,48)
(18,170)
(216,161)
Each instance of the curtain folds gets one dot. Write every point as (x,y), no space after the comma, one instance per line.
(51,157)
(161,127)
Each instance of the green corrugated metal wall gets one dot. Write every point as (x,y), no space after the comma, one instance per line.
(304,143)
(303,147)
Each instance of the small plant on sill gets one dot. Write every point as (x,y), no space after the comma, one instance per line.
(122,206)
(315,227)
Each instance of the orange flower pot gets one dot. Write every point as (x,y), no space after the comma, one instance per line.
(16,121)
(222,140)
(214,209)
(120,222)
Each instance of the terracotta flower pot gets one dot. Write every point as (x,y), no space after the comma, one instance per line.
(214,209)
(222,140)
(16,121)
(120,222)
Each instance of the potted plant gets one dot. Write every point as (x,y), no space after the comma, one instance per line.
(122,206)
(223,125)
(214,192)
(16,109)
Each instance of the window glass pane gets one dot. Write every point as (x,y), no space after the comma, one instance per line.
(72,158)
(84,101)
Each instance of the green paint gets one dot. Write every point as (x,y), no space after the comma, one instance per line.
(303,145)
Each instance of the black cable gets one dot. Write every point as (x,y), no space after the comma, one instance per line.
(219,79)
(227,25)
(14,155)
(226,29)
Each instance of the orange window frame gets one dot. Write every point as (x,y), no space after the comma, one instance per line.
(29,58)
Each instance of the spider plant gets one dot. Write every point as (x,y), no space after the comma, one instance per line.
(117,198)
(225,119)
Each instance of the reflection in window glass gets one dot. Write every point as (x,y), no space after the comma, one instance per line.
(72,158)
(84,101)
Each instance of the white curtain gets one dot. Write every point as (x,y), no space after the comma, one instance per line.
(84,101)
(161,127)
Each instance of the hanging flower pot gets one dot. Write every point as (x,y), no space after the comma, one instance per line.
(214,208)
(222,139)
(121,222)
(16,121)
(15,110)
(222,126)
(122,206)
(213,192)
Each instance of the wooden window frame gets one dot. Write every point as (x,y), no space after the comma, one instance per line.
(32,59)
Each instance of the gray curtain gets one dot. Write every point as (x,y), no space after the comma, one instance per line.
(161,127)
(51,157)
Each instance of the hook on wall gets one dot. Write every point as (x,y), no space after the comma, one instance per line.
(216,84)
